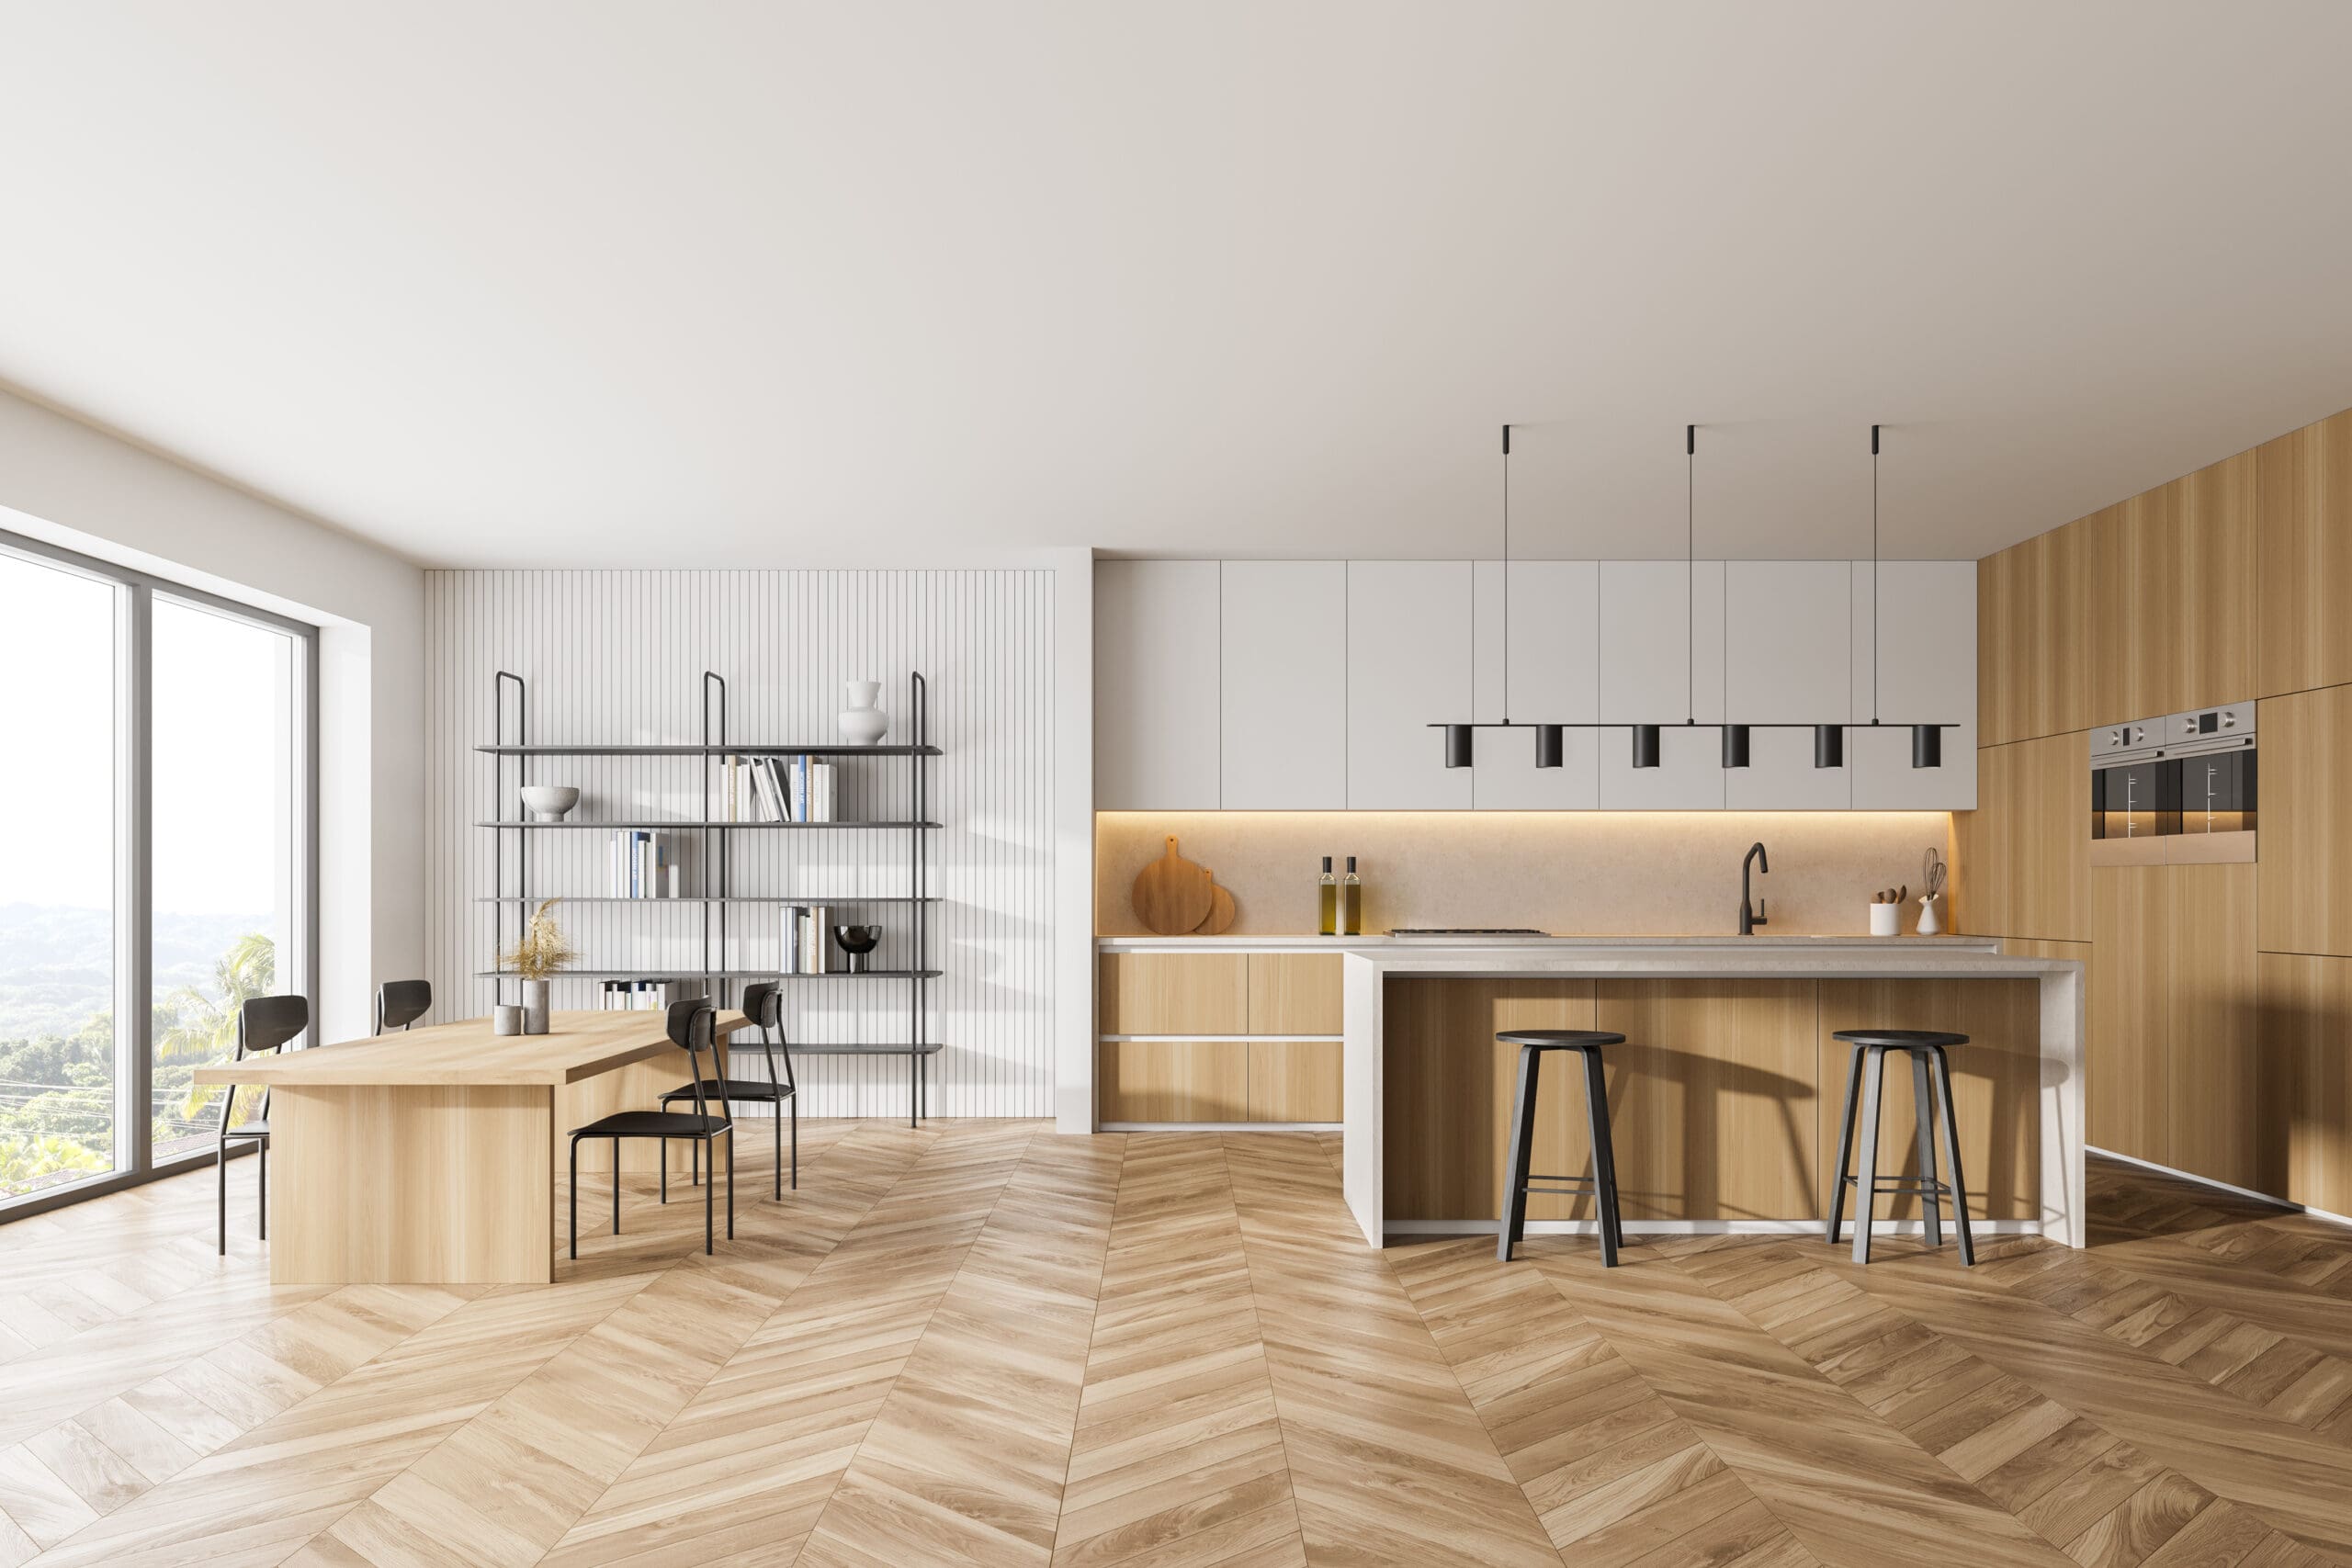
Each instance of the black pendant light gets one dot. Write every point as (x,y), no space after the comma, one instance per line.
(1549,738)
(1828,745)
(1457,745)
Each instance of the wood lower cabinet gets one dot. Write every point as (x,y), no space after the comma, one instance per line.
(1174,993)
(1261,1067)
(1173,1080)
(2305,1090)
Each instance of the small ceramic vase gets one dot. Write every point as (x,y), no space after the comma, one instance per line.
(534,1007)
(862,724)
(506,1019)
(1928,924)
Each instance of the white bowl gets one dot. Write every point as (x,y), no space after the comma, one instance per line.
(547,803)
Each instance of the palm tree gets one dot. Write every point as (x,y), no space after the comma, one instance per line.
(204,1025)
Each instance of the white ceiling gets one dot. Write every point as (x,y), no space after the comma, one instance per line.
(625,283)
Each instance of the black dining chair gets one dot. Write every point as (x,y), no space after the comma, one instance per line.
(263,1023)
(690,1027)
(400,1003)
(763,1005)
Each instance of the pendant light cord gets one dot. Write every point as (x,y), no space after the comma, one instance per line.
(1876,612)
(1690,573)
(1506,578)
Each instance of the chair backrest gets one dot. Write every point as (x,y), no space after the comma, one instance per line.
(691,1027)
(400,1003)
(264,1023)
(763,1005)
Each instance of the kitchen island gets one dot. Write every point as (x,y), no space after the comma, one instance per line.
(1725,1098)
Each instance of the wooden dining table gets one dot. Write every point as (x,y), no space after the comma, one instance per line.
(433,1156)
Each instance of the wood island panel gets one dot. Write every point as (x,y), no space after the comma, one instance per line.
(1995,1082)
(1174,993)
(1294,993)
(1713,1095)
(1446,1118)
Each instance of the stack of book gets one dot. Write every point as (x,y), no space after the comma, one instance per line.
(779,789)
(640,995)
(644,865)
(808,939)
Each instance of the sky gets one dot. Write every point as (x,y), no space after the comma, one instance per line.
(221,747)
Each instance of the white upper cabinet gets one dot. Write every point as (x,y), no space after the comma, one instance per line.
(1927,674)
(1156,701)
(1312,685)
(1657,668)
(1408,667)
(1553,675)
(1789,662)
(1283,735)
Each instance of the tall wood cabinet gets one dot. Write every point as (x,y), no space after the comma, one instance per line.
(2304,546)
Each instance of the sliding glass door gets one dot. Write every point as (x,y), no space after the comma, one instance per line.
(161,868)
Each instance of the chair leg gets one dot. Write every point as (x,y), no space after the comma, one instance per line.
(1951,1161)
(709,1194)
(779,1161)
(796,1143)
(1523,1144)
(1604,1157)
(666,1172)
(261,1151)
(1924,1098)
(575,1199)
(221,1165)
(1866,1173)
(617,1186)
(1845,1146)
(730,1182)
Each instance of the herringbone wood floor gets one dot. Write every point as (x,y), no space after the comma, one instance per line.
(980,1343)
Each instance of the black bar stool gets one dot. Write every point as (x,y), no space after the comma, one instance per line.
(1602,1183)
(1926,1049)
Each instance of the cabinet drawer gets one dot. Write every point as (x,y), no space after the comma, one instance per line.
(1173,1080)
(1293,993)
(1295,1081)
(1175,993)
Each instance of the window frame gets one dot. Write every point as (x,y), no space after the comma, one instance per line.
(134,783)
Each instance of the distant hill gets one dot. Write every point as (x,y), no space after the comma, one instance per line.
(57,966)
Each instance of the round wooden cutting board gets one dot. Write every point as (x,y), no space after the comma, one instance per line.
(1172,896)
(1221,912)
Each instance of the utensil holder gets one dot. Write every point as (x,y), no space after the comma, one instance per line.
(1886,919)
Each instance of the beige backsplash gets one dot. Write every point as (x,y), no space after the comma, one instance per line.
(1572,874)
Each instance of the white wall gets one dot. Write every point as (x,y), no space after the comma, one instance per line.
(618,657)
(69,484)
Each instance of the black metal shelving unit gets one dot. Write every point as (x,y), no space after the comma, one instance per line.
(718,862)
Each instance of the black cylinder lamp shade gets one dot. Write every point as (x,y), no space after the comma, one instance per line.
(1927,745)
(1828,745)
(1645,745)
(1548,741)
(1457,745)
(1735,745)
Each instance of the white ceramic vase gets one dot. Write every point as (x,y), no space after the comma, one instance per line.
(534,1007)
(862,724)
(1928,924)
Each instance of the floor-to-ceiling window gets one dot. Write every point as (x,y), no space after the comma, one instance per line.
(159,872)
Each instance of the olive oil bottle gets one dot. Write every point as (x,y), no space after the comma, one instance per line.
(1327,898)
(1350,902)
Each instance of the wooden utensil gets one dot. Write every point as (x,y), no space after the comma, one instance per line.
(1173,896)
(1221,912)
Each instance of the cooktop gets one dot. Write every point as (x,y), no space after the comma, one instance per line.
(1466,930)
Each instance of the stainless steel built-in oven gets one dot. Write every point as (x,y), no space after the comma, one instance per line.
(2179,790)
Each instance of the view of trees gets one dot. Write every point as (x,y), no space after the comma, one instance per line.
(57,1092)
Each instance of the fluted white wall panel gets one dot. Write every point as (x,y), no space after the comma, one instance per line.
(614,657)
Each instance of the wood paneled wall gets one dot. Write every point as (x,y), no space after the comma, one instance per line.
(2219,995)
